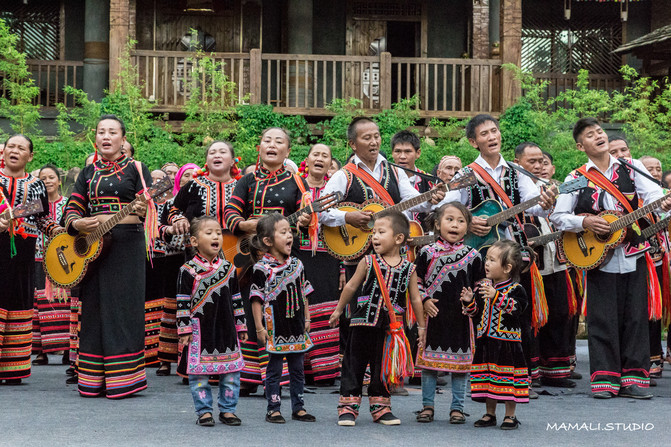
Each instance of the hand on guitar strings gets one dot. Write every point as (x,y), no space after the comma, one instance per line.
(86,224)
(304,220)
(4,224)
(437,194)
(479,226)
(596,224)
(666,204)
(140,209)
(248,226)
(358,218)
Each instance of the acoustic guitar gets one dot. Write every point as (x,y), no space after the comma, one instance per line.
(656,240)
(416,242)
(496,215)
(23,210)
(544,239)
(237,250)
(348,242)
(67,258)
(586,250)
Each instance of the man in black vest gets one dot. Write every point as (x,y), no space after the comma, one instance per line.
(617,302)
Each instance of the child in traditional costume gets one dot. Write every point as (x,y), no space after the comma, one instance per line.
(499,372)
(447,270)
(385,282)
(210,322)
(281,314)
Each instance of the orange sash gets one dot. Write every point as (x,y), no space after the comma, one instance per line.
(370,181)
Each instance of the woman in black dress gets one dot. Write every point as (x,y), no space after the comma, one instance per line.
(111,343)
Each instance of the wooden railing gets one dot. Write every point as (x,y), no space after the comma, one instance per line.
(559,82)
(305,84)
(51,77)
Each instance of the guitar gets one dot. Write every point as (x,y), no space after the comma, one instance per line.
(586,250)
(24,210)
(544,239)
(349,242)
(67,258)
(237,251)
(656,241)
(496,215)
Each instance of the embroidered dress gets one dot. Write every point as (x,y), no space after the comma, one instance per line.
(499,370)
(111,343)
(51,321)
(443,270)
(283,289)
(256,194)
(203,197)
(322,362)
(210,308)
(17,276)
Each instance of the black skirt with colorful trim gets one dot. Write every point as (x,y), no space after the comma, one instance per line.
(499,371)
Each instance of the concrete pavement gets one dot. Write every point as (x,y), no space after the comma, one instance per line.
(44,411)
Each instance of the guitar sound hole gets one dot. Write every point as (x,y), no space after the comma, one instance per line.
(81,247)
(603,237)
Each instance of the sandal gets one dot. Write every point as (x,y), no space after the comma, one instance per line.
(41,359)
(512,425)
(489,422)
(163,370)
(457,417)
(426,415)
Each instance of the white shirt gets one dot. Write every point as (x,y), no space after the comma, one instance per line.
(550,262)
(336,218)
(526,188)
(565,220)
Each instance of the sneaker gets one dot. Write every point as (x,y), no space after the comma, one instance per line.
(603,395)
(388,419)
(347,420)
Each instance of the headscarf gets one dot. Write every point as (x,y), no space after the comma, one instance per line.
(180,173)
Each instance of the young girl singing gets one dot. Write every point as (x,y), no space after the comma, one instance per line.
(380,278)
(447,270)
(278,294)
(499,372)
(210,317)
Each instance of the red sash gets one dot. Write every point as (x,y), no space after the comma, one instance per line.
(371,182)
(498,190)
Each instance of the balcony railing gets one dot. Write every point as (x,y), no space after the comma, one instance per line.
(305,84)
(51,77)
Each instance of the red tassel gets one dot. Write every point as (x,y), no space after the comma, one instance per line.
(396,359)
(654,291)
(539,309)
(570,295)
(666,291)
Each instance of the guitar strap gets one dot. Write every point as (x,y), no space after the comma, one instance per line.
(306,200)
(498,190)
(654,289)
(371,182)
(151,231)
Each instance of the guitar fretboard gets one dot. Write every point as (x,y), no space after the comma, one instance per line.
(511,212)
(417,200)
(545,238)
(652,229)
(625,221)
(112,221)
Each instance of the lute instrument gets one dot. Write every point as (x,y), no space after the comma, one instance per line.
(348,242)
(586,250)
(496,215)
(23,210)
(237,250)
(67,258)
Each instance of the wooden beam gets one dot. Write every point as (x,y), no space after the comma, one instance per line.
(511,49)
(119,33)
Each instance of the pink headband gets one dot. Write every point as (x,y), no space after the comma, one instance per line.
(180,173)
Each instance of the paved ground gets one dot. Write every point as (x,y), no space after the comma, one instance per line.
(46,412)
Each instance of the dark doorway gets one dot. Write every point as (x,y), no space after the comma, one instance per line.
(402,41)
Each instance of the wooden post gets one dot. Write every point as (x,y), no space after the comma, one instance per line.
(511,49)
(385,80)
(119,33)
(255,75)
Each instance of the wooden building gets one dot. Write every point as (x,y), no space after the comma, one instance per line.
(298,55)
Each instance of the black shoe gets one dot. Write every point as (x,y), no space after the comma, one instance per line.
(305,417)
(388,419)
(41,359)
(634,392)
(70,371)
(575,376)
(347,420)
(603,395)
(205,420)
(277,419)
(232,421)
(12,381)
(656,375)
(509,423)
(185,381)
(532,394)
(482,422)
(66,358)
(72,380)
(560,383)
(163,370)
